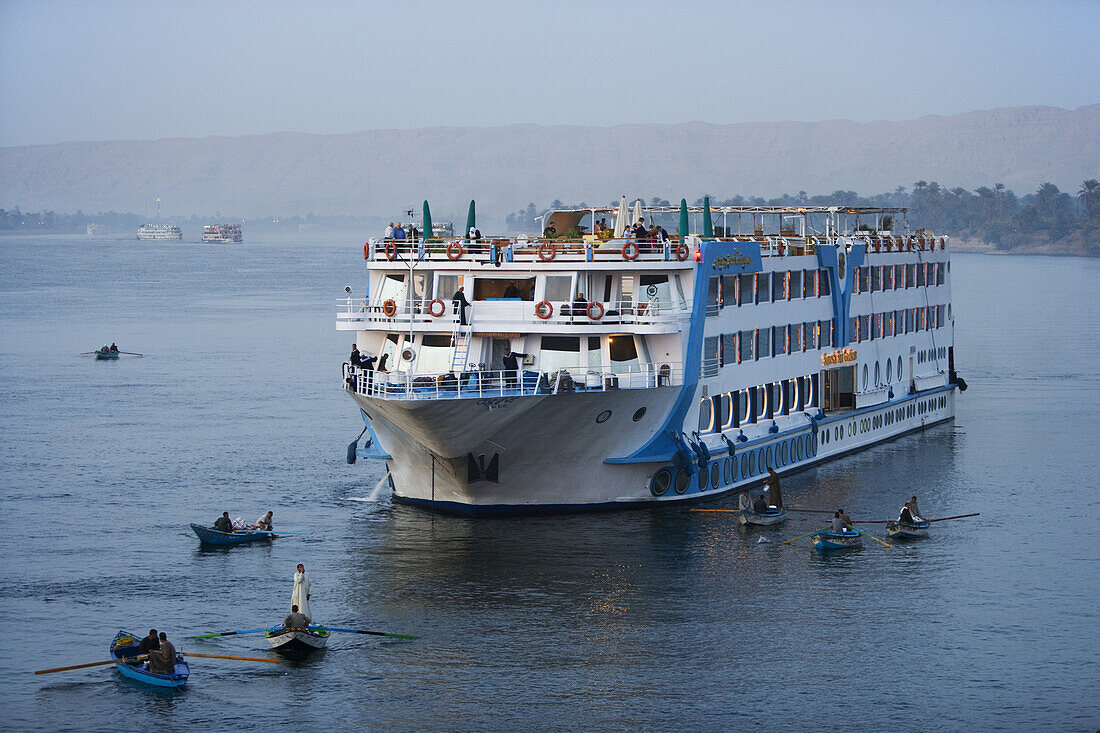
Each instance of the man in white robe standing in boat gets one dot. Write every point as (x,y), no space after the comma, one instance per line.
(303,587)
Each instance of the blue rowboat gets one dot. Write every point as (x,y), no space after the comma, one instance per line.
(907,530)
(101,354)
(125,645)
(772,516)
(211,536)
(845,540)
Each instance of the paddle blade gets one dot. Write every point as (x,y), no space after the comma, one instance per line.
(363,631)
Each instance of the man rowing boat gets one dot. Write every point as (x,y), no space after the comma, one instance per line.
(223,523)
(296,619)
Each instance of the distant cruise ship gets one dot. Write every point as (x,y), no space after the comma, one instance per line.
(159,232)
(649,371)
(222,233)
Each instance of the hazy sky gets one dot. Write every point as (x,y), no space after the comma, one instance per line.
(145,70)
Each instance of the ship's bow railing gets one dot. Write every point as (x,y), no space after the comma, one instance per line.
(362,315)
(479,383)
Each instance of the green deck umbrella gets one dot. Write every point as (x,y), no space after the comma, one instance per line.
(708,225)
(471,221)
(427,231)
(683,220)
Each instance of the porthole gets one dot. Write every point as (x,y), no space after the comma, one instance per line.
(683,478)
(661,481)
(639,414)
(703,478)
(726,471)
(603,416)
(813,445)
(752,464)
(760,460)
(785,455)
(878,374)
(715,475)
(899,369)
(769,462)
(865,377)
(889,371)
(744,466)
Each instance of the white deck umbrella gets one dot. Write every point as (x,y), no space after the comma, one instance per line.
(637,211)
(620,219)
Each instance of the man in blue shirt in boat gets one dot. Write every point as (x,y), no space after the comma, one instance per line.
(296,619)
(223,523)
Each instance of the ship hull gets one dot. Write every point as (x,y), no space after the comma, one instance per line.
(551,455)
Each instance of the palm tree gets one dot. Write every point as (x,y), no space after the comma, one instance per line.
(1089,197)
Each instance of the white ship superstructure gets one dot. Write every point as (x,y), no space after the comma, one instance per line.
(159,232)
(222,233)
(652,371)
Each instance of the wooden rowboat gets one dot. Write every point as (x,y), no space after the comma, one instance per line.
(125,645)
(772,516)
(211,536)
(907,530)
(297,641)
(846,540)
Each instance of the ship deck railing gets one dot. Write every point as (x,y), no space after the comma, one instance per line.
(510,314)
(403,252)
(482,384)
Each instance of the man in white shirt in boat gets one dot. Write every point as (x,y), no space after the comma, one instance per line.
(296,619)
(744,504)
(908,515)
(265,523)
(163,660)
(914,511)
(774,497)
(839,525)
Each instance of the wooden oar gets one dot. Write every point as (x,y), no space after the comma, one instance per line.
(876,539)
(226,656)
(811,511)
(957,516)
(234,633)
(131,353)
(84,353)
(138,658)
(273,532)
(803,536)
(361,631)
(732,511)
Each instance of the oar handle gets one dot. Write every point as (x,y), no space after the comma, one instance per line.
(138,658)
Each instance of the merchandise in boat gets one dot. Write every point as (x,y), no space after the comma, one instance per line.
(646,371)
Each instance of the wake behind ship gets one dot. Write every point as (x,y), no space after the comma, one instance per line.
(646,371)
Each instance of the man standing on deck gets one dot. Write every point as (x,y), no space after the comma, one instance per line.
(774,497)
(460,305)
(303,588)
(223,523)
(163,660)
(511,367)
(389,231)
(296,619)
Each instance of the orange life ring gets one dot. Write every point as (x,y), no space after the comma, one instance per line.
(547,251)
(389,308)
(366,250)
(391,251)
(442,308)
(544,309)
(454,251)
(630,251)
(682,251)
(599,310)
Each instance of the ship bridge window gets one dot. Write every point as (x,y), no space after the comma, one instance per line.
(498,289)
(747,288)
(809,284)
(655,289)
(796,284)
(393,287)
(422,285)
(779,286)
(560,352)
(391,347)
(624,354)
(823,282)
(434,354)
(446,285)
(558,288)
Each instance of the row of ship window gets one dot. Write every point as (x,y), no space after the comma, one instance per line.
(759,343)
(731,410)
(882,420)
(898,277)
(895,323)
(744,465)
(767,287)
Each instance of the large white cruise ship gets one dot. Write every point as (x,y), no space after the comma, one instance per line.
(649,371)
(153,232)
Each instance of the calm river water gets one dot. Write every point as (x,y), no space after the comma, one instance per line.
(635,620)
